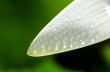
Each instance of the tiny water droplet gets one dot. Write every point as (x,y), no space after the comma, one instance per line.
(56,48)
(83,43)
(71,46)
(34,52)
(64,46)
(93,40)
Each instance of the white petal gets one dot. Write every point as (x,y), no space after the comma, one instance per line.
(82,23)
(108,7)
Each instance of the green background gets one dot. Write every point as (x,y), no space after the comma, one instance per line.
(20,22)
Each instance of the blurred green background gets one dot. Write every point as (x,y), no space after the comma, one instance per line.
(21,21)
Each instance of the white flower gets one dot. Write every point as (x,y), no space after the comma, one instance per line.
(82,23)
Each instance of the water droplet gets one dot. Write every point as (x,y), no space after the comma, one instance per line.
(71,45)
(56,48)
(83,43)
(78,36)
(93,40)
(64,46)
(34,52)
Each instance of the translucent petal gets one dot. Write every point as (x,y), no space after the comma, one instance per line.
(82,23)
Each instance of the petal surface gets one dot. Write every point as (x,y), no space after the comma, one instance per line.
(81,23)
